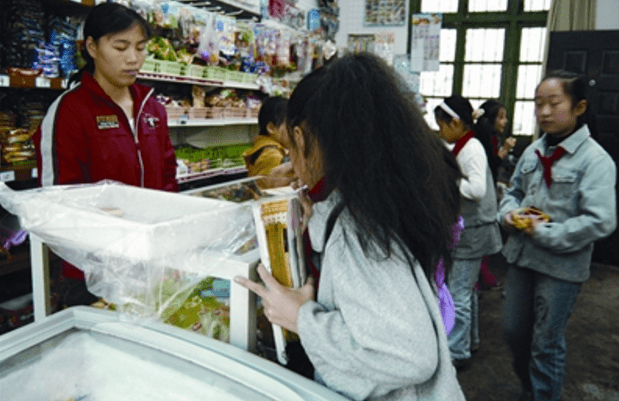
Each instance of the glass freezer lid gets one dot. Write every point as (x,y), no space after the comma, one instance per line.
(114,360)
(92,366)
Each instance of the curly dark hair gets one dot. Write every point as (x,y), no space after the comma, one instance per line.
(395,176)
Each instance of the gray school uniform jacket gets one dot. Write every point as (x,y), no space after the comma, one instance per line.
(581,203)
(375,331)
(481,235)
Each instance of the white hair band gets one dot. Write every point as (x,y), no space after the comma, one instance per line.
(449,111)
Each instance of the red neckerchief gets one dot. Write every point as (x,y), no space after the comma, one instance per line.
(548,161)
(318,193)
(461,142)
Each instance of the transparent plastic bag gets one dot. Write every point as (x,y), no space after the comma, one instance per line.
(146,251)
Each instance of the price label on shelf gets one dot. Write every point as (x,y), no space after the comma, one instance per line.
(6,176)
(5,81)
(42,82)
(34,173)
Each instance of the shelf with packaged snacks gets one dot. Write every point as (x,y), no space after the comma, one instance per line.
(198,164)
(170,71)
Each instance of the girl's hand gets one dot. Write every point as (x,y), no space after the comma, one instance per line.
(535,221)
(508,219)
(508,145)
(281,304)
(280,176)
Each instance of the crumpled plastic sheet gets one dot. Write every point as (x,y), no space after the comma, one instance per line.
(141,249)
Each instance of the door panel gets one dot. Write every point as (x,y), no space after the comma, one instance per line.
(595,55)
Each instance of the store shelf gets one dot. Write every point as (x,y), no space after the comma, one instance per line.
(275,24)
(242,9)
(243,5)
(153,76)
(211,122)
(7,81)
(210,174)
(17,173)
(84,3)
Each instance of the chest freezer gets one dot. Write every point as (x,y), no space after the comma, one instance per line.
(87,354)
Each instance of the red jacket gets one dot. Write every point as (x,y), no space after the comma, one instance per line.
(85,137)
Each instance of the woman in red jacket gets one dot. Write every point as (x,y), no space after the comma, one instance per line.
(106,126)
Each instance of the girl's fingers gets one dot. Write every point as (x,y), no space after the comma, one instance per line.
(267,278)
(250,285)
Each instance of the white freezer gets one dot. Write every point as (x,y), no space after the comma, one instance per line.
(87,354)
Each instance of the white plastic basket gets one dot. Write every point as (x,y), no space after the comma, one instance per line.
(152,224)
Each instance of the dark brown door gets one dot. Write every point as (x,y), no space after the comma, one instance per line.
(595,54)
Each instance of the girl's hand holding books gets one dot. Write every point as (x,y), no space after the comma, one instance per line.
(281,304)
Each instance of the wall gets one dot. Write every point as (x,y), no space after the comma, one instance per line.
(607,15)
(351,22)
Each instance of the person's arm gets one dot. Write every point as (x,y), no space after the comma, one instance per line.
(512,197)
(62,147)
(473,163)
(280,176)
(270,158)
(508,145)
(598,211)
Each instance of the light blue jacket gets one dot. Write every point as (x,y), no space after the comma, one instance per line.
(581,204)
(375,331)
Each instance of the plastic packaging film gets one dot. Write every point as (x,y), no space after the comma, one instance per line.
(144,250)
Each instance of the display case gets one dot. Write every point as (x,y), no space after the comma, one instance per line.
(141,249)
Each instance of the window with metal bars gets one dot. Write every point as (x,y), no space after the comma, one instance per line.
(489,49)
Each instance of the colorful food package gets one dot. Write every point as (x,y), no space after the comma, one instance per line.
(524,215)
(17,146)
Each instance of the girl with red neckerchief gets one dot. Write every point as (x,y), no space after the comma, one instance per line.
(384,196)
(571,178)
(481,235)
